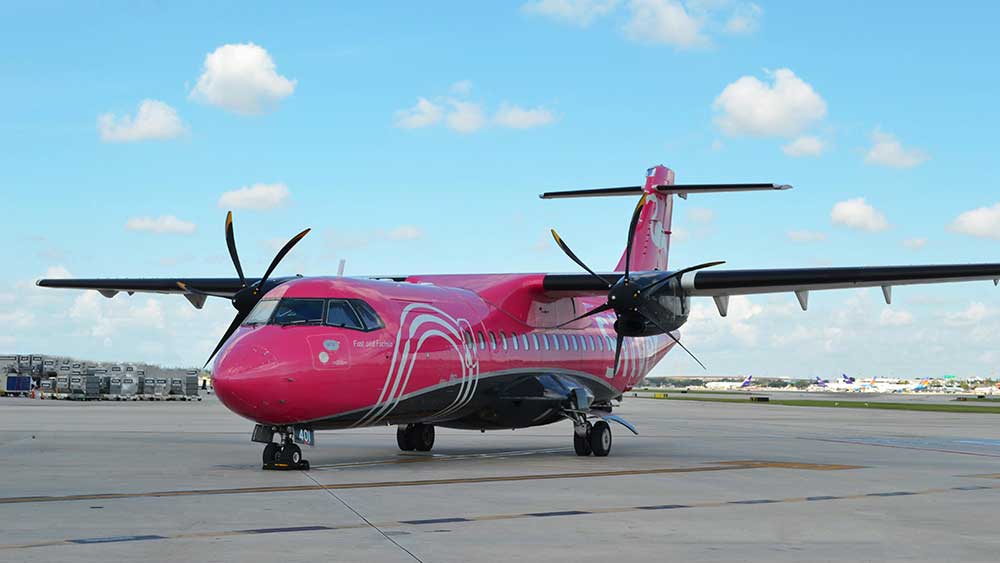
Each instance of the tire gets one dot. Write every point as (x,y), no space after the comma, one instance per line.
(404,439)
(291,454)
(581,444)
(423,437)
(600,439)
(271,453)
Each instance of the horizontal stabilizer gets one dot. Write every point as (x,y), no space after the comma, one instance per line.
(680,189)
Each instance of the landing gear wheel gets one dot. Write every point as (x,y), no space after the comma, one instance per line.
(271,453)
(404,439)
(582,443)
(290,454)
(423,437)
(600,439)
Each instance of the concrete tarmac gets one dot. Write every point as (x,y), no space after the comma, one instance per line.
(703,482)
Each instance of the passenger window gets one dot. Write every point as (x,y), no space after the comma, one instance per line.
(534,340)
(468,339)
(565,343)
(513,341)
(590,342)
(545,341)
(555,341)
(503,340)
(481,339)
(576,347)
(493,341)
(524,341)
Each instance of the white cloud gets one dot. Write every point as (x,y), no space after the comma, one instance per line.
(973,314)
(915,243)
(701,214)
(666,22)
(889,317)
(405,232)
(886,150)
(154,120)
(461,88)
(806,236)
(106,317)
(783,108)
(804,146)
(424,114)
(576,12)
(17,318)
(241,78)
(983,222)
(857,214)
(57,273)
(257,196)
(164,224)
(745,19)
(517,117)
(465,117)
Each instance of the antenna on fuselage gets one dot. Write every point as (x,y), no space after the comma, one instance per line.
(340,267)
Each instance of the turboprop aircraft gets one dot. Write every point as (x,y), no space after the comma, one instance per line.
(477,351)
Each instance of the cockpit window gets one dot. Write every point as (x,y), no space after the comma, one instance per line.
(341,314)
(368,315)
(261,313)
(298,312)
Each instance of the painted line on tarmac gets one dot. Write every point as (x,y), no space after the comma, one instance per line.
(717,466)
(897,446)
(417,523)
(418,458)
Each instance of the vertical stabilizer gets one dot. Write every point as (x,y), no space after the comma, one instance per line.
(652,234)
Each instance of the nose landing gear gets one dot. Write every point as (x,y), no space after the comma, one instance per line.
(418,437)
(286,455)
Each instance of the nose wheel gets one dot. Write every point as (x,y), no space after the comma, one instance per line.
(592,438)
(419,437)
(284,456)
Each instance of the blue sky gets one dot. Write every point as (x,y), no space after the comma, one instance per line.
(317,106)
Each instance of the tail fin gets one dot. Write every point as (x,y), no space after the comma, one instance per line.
(747,381)
(651,245)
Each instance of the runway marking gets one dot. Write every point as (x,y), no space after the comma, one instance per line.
(940,450)
(417,523)
(718,466)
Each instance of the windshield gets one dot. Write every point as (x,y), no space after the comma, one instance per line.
(298,311)
(262,312)
(340,313)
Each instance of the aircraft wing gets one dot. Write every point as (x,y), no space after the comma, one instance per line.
(720,284)
(201,287)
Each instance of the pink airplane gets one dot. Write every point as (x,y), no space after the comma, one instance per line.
(477,351)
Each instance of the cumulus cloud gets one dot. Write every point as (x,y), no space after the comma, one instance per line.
(257,196)
(915,243)
(18,318)
(983,222)
(782,108)
(465,117)
(405,232)
(164,224)
(886,150)
(517,117)
(806,236)
(857,214)
(804,146)
(57,273)
(745,19)
(973,314)
(665,22)
(576,12)
(106,317)
(154,120)
(889,317)
(461,88)
(241,78)
(424,114)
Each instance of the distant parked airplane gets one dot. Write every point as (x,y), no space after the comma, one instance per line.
(729,385)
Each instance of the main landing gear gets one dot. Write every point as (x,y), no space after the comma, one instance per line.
(282,455)
(592,438)
(419,437)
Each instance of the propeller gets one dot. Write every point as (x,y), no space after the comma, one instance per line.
(633,307)
(250,294)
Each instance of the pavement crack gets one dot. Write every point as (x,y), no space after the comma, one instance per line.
(363,518)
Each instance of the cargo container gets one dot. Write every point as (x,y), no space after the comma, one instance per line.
(161,388)
(84,387)
(47,388)
(129,387)
(15,384)
(115,387)
(62,385)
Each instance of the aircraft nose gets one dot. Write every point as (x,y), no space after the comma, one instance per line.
(248,377)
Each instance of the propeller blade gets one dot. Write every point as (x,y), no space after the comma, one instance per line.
(618,353)
(631,233)
(679,273)
(675,339)
(594,311)
(237,321)
(281,254)
(231,243)
(188,289)
(573,257)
